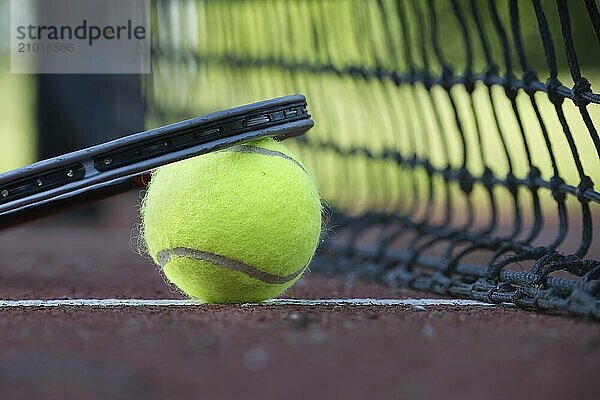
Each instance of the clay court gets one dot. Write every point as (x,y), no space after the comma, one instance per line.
(258,351)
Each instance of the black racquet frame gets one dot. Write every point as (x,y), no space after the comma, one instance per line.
(119,165)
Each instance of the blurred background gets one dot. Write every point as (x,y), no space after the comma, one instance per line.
(45,115)
(343,55)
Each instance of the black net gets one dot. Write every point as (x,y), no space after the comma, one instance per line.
(456,143)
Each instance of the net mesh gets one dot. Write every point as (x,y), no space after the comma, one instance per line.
(456,142)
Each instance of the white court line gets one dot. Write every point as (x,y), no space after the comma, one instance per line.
(275,302)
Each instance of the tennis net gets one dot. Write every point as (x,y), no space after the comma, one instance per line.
(456,142)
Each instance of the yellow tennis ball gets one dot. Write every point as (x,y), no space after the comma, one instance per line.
(234,226)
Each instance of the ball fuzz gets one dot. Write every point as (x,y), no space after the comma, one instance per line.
(234,226)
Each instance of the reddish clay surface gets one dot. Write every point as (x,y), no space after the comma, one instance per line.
(286,352)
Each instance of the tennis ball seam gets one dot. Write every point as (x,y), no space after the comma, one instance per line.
(164,256)
(266,152)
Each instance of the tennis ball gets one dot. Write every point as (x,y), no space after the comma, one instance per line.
(234,226)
